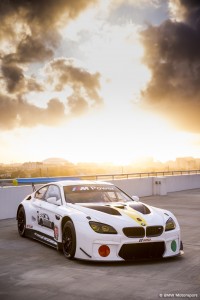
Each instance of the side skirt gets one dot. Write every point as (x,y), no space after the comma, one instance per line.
(41,237)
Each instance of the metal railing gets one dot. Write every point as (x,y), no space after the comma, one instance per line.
(27,181)
(139,174)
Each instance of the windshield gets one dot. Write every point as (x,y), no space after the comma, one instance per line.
(94,194)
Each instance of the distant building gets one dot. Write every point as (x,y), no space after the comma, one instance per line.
(32,165)
(186,163)
(55,161)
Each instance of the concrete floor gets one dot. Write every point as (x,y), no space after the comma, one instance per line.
(30,270)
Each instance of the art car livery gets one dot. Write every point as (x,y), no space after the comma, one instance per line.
(43,220)
(97,221)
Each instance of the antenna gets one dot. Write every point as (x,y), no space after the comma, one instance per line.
(34,188)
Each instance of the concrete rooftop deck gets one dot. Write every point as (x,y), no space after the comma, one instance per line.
(30,270)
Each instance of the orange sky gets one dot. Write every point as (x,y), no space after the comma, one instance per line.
(101,81)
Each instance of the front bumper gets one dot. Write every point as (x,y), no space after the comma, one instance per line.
(123,248)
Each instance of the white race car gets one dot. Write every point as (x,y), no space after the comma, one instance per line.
(97,221)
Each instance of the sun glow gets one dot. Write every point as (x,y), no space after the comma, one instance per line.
(119,136)
(119,131)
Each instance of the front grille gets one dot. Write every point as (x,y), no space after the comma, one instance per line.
(152,231)
(142,251)
(134,232)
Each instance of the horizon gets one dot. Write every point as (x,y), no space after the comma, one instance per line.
(141,161)
(99,81)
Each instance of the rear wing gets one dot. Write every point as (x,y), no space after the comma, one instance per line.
(33,181)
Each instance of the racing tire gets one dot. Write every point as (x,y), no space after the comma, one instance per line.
(69,240)
(21,221)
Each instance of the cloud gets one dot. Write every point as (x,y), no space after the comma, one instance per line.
(77,104)
(172,53)
(29,34)
(31,50)
(185,10)
(17,112)
(64,72)
(14,80)
(31,28)
(137,11)
(13,75)
(38,17)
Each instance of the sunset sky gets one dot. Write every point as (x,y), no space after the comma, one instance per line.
(99,80)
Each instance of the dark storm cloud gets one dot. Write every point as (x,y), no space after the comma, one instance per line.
(13,75)
(15,81)
(30,29)
(63,72)
(16,112)
(172,52)
(31,50)
(34,26)
(188,10)
(40,15)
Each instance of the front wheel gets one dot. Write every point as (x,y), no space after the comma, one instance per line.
(21,221)
(69,240)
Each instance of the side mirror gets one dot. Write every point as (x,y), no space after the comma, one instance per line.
(53,200)
(135,198)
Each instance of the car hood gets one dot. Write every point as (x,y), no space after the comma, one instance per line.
(124,214)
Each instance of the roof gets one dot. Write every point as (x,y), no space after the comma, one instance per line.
(81,182)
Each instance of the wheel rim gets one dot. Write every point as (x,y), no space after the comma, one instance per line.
(21,221)
(67,242)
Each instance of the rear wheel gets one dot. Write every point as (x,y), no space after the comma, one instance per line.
(69,240)
(21,221)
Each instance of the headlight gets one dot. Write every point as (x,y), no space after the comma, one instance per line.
(170,224)
(102,228)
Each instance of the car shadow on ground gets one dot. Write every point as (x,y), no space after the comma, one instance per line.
(89,263)
(142,262)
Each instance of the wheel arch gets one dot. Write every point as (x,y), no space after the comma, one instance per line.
(71,254)
(64,220)
(19,209)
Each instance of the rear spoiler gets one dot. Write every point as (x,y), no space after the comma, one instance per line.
(33,181)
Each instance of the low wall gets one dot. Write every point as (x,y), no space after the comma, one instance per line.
(149,186)
(141,187)
(10,197)
(181,183)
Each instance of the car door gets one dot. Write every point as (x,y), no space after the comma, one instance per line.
(36,207)
(49,218)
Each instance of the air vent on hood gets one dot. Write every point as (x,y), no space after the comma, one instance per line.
(121,206)
(104,209)
(141,208)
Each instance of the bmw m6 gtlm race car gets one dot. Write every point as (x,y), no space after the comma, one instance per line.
(97,221)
